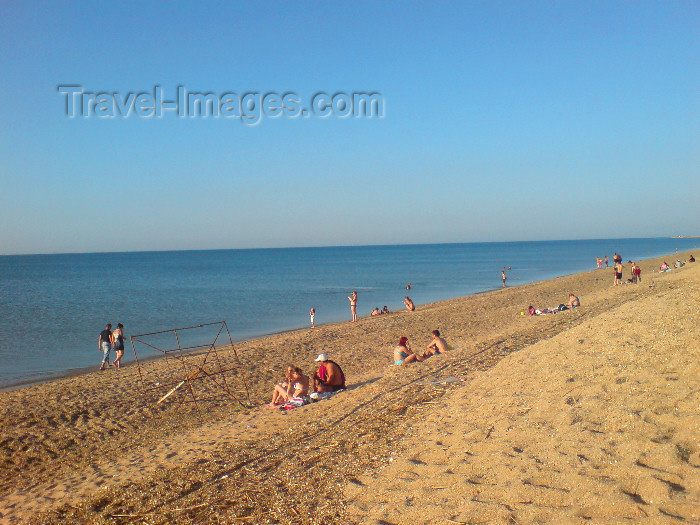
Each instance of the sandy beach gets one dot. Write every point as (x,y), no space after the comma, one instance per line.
(583,416)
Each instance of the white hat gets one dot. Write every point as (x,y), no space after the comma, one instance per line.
(321,357)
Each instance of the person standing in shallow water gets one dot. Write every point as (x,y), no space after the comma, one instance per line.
(312,315)
(353,305)
(104,344)
(503,276)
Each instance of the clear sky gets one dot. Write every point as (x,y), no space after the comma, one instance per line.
(502,121)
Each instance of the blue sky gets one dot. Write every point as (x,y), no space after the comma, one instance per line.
(503,121)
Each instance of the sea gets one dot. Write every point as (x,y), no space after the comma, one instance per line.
(53,307)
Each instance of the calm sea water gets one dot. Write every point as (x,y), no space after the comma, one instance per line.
(52,307)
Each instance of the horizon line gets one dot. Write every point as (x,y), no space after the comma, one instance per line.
(344,246)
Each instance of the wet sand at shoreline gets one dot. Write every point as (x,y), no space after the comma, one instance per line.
(496,430)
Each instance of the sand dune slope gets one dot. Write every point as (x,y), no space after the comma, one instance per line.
(599,423)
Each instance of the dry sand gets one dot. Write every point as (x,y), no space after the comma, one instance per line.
(588,415)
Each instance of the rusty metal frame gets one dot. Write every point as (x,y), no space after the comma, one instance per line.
(182,371)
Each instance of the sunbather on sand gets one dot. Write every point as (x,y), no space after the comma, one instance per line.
(573,301)
(296,384)
(403,354)
(437,346)
(329,377)
(409,304)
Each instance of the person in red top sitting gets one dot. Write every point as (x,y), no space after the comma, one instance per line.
(329,377)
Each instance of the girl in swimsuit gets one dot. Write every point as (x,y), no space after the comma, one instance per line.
(296,385)
(281,389)
(403,354)
(353,305)
(300,383)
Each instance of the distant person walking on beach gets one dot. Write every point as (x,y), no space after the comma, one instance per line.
(409,304)
(503,275)
(104,344)
(353,305)
(618,273)
(607,261)
(312,314)
(118,345)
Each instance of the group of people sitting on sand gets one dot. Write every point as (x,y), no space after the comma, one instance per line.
(377,311)
(403,354)
(297,387)
(678,264)
(574,302)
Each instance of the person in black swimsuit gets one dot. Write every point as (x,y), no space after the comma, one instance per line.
(618,273)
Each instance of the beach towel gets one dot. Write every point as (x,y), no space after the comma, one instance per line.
(316,396)
(296,402)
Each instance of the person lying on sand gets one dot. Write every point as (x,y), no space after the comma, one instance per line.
(437,346)
(329,377)
(296,384)
(409,304)
(376,311)
(536,311)
(403,354)
(573,301)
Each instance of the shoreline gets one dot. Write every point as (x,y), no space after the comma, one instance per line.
(80,371)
